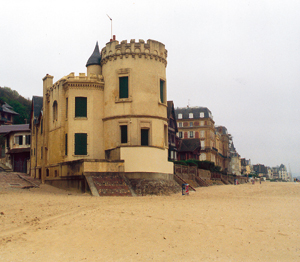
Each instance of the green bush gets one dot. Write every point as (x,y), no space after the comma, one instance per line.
(180,162)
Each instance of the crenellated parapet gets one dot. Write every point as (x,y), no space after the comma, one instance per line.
(91,81)
(150,50)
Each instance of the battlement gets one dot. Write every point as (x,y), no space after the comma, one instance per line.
(152,50)
(82,77)
(81,80)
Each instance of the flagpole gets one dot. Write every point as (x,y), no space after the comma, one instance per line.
(110,26)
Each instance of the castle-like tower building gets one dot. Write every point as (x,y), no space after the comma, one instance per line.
(112,119)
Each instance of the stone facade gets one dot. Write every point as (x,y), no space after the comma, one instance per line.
(198,123)
(112,119)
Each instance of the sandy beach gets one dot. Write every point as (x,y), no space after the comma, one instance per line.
(220,223)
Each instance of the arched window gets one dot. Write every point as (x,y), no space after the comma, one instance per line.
(55,111)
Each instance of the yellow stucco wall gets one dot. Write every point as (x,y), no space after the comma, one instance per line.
(146,159)
(145,66)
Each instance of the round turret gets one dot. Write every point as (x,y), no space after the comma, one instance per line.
(135,93)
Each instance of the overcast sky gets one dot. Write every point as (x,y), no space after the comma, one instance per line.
(241,59)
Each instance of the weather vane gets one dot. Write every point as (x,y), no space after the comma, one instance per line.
(110,26)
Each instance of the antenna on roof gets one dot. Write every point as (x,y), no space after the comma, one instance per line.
(188,103)
(110,26)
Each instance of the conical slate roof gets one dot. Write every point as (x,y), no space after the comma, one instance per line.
(95,58)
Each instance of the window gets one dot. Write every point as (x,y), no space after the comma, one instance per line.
(27,138)
(202,157)
(180,124)
(191,115)
(67,104)
(54,107)
(42,126)
(19,140)
(41,152)
(123,87)
(191,124)
(202,114)
(66,144)
(80,107)
(172,154)
(202,133)
(124,137)
(179,116)
(202,143)
(80,144)
(191,134)
(144,137)
(180,134)
(162,91)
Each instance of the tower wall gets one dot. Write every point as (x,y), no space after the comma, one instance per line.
(145,107)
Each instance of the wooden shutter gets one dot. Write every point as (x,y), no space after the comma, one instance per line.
(66,144)
(80,106)
(80,144)
(123,134)
(123,87)
(144,137)
(162,91)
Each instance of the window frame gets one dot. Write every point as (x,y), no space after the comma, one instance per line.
(27,139)
(162,91)
(66,144)
(82,151)
(143,130)
(54,109)
(123,132)
(81,107)
(125,87)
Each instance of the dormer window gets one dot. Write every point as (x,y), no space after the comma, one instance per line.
(202,114)
(191,115)
(179,116)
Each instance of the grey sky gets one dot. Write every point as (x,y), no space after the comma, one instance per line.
(241,59)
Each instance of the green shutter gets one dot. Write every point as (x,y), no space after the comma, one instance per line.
(66,144)
(80,144)
(123,87)
(162,91)
(80,107)
(144,137)
(123,134)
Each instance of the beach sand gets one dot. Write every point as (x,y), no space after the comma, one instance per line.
(220,223)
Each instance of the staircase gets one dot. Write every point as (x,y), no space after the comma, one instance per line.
(180,181)
(200,181)
(5,168)
(225,181)
(108,184)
